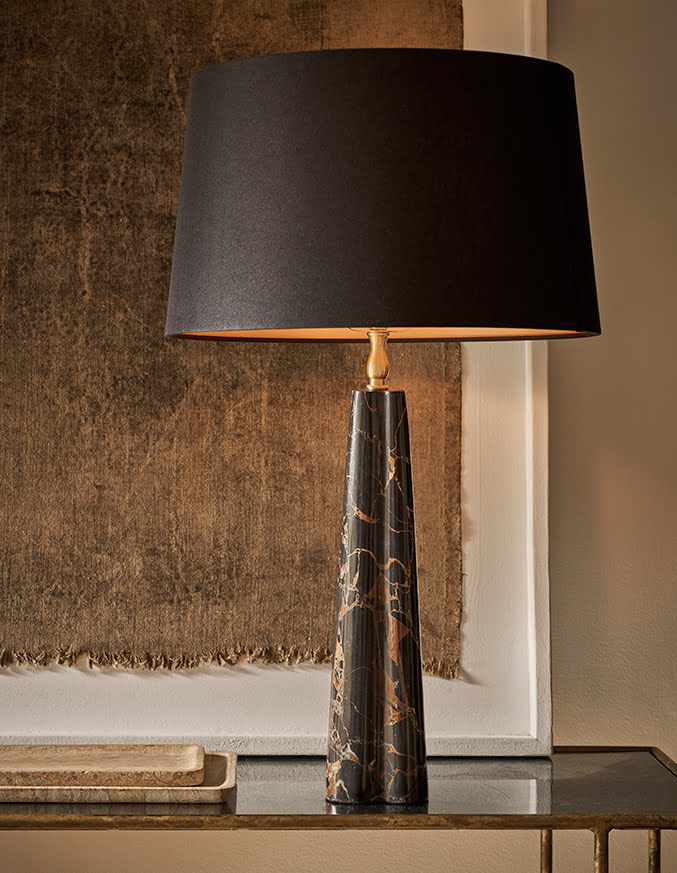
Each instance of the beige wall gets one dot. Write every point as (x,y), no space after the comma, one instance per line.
(613,492)
(613,458)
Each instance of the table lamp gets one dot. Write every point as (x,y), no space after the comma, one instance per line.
(375,195)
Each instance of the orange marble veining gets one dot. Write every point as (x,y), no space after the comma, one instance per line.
(376,733)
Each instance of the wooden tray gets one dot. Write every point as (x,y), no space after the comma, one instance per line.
(108,765)
(218,783)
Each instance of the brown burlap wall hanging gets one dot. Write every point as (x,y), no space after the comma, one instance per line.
(168,503)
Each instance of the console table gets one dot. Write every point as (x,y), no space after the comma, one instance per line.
(579,788)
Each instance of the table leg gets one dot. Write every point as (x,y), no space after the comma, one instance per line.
(654,851)
(546,851)
(602,851)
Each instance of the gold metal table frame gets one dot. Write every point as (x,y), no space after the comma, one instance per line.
(596,788)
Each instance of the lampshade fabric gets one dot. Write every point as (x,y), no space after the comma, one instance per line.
(437,193)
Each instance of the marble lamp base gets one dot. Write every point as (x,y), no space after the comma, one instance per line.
(376,730)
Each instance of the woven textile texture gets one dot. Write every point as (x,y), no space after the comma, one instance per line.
(167,503)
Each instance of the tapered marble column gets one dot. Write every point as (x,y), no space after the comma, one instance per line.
(376,731)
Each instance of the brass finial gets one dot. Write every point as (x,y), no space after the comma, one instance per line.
(377,362)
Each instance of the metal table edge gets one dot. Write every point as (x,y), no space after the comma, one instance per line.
(362,821)
(366,821)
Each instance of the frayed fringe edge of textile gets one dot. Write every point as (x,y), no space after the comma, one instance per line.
(72,657)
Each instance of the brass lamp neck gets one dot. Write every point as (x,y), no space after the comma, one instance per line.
(377,362)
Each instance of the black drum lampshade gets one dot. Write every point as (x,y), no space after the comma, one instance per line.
(437,193)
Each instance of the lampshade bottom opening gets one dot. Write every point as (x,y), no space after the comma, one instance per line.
(355,334)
